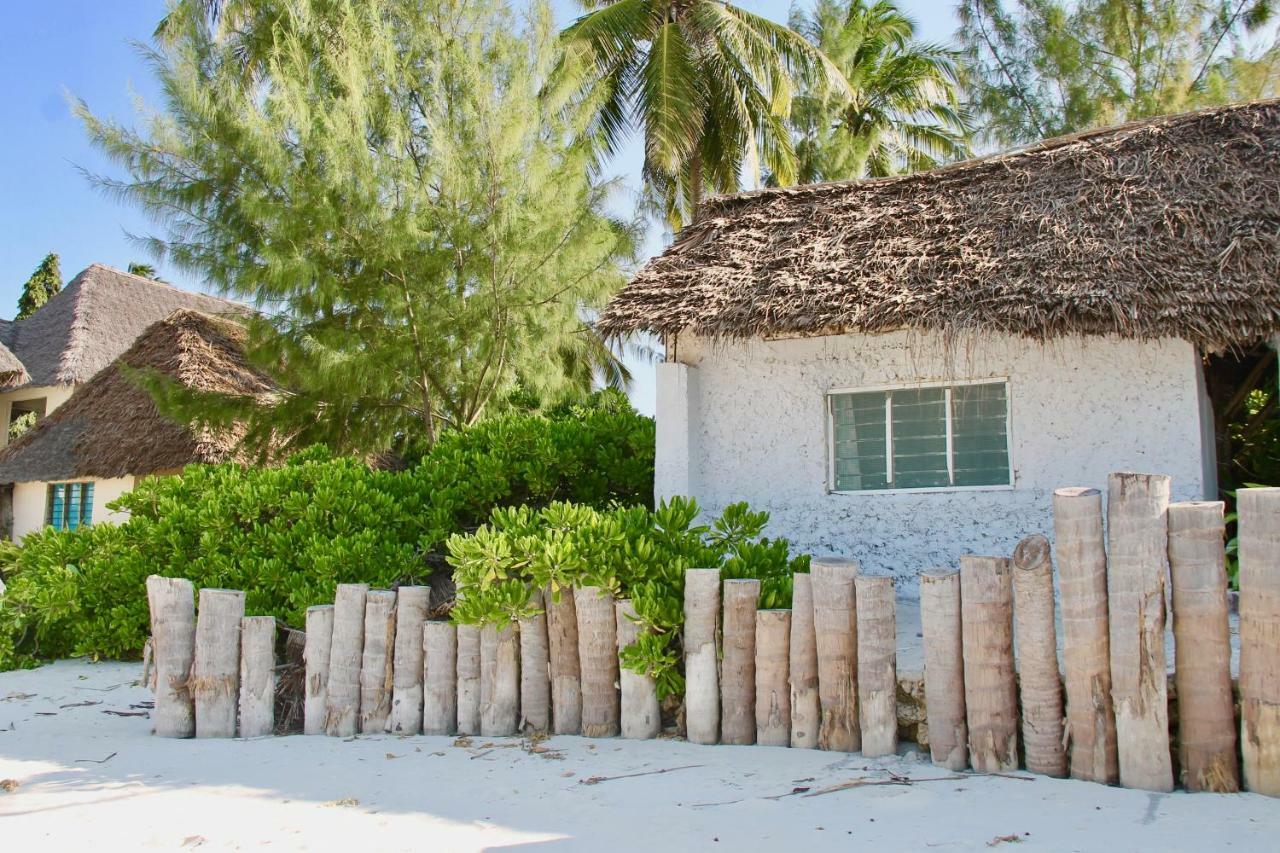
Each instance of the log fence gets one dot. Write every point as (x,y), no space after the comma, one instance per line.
(820,675)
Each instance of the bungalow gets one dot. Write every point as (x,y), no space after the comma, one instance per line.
(44,358)
(902,370)
(109,433)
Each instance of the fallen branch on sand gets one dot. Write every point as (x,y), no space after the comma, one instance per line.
(596,780)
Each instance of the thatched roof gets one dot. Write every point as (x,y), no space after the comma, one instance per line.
(90,322)
(1161,228)
(12,373)
(110,427)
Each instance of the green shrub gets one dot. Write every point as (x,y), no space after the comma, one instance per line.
(288,535)
(630,551)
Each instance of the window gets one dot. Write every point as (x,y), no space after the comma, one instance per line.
(69,505)
(933,437)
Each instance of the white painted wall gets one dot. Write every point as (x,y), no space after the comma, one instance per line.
(1079,410)
(29,503)
(54,396)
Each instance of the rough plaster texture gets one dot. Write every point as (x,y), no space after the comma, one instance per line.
(754,414)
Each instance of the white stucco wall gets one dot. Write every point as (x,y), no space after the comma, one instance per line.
(29,503)
(756,423)
(54,396)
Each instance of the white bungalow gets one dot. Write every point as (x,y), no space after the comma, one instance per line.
(903,370)
(45,358)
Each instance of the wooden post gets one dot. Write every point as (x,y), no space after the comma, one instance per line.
(412,605)
(877,665)
(641,714)
(990,687)
(738,668)
(835,626)
(701,671)
(566,674)
(215,667)
(598,656)
(773,693)
(535,684)
(342,701)
(944,668)
(319,641)
(173,643)
(1259,530)
(257,676)
(376,662)
(1086,635)
(1138,540)
(468,679)
(440,680)
(499,680)
(806,712)
(1202,647)
(1037,637)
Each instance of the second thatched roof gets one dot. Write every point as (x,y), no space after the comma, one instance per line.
(111,427)
(1161,228)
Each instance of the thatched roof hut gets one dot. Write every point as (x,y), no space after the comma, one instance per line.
(87,324)
(1162,228)
(110,427)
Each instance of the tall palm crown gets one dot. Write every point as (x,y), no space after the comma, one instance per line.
(709,84)
(903,111)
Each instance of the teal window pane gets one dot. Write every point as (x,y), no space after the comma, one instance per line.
(980,441)
(860,441)
(86,507)
(920,438)
(73,506)
(55,502)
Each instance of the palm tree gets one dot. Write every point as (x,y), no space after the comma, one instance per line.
(144,270)
(903,113)
(709,84)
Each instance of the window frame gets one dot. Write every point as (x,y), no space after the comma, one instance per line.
(948,384)
(85,503)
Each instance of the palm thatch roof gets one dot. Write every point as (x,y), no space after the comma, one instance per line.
(110,427)
(1168,227)
(90,322)
(12,372)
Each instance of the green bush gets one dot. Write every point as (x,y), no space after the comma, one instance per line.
(288,535)
(632,552)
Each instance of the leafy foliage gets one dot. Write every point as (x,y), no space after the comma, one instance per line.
(631,552)
(40,288)
(1042,68)
(394,185)
(289,535)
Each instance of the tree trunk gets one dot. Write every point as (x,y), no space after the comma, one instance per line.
(1086,635)
(641,714)
(342,701)
(468,679)
(1037,637)
(773,694)
(566,674)
(598,655)
(215,667)
(535,686)
(377,660)
(1202,647)
(738,666)
(173,646)
(257,676)
(990,688)
(319,639)
(412,604)
(944,668)
(1137,534)
(440,679)
(877,665)
(1259,638)
(806,713)
(701,672)
(836,629)
(499,680)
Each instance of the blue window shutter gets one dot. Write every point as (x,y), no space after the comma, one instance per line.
(860,442)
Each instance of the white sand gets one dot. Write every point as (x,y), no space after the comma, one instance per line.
(425,793)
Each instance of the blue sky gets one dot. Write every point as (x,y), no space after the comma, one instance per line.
(82,49)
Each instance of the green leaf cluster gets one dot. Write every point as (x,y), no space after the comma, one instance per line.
(632,552)
(41,287)
(288,535)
